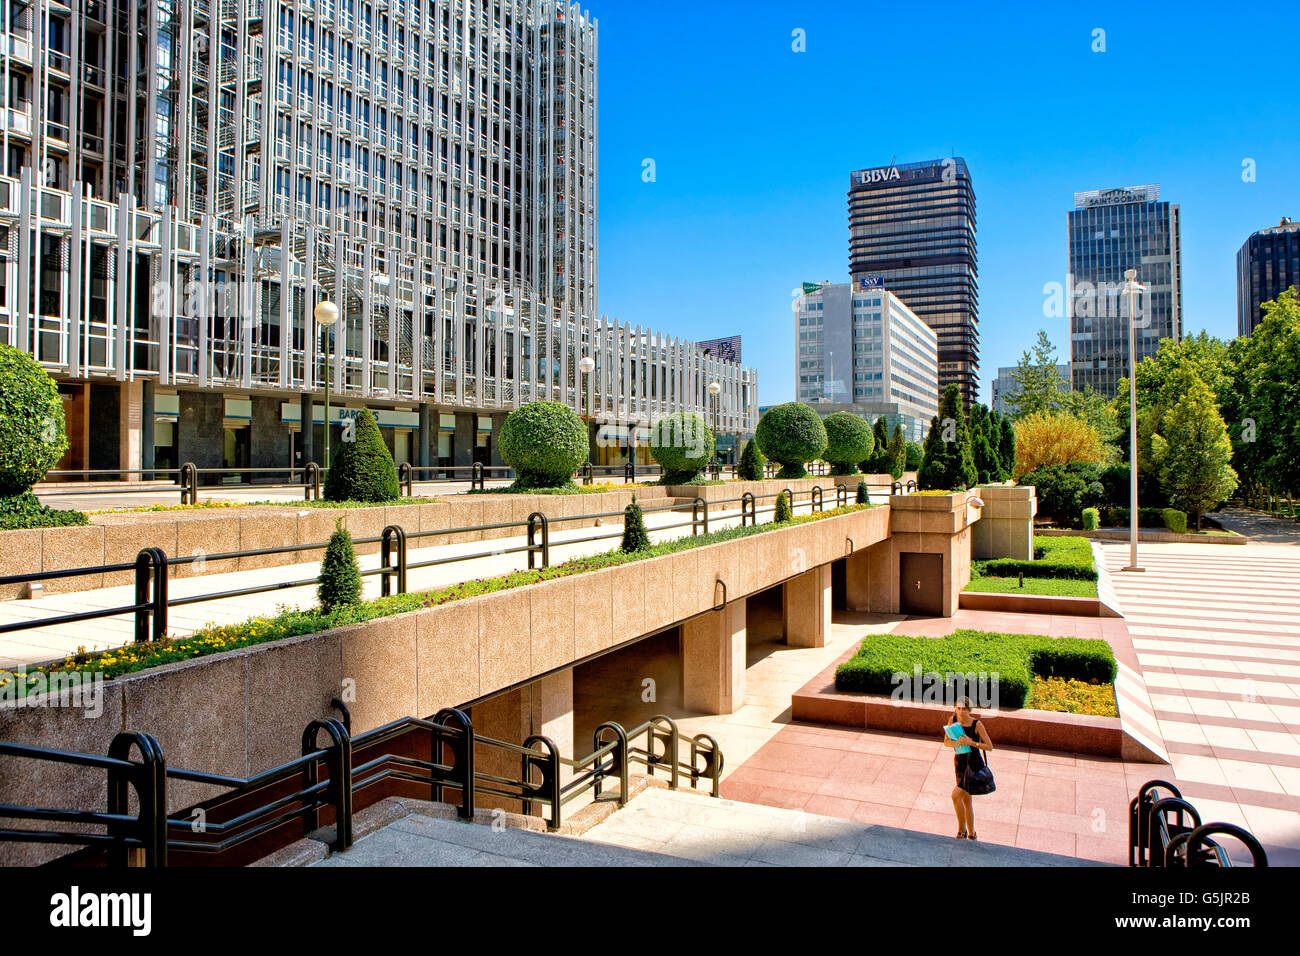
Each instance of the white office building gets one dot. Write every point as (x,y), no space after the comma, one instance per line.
(859,348)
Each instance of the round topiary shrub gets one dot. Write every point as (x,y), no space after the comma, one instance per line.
(545,443)
(362,469)
(791,435)
(849,441)
(682,445)
(33,434)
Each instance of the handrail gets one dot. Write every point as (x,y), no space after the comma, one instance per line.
(152,565)
(253,816)
(1156,840)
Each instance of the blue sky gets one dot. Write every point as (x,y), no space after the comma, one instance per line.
(753,144)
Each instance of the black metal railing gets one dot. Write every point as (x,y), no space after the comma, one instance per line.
(431,759)
(1167,831)
(188,478)
(151,567)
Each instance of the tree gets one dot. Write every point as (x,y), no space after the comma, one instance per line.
(792,435)
(782,511)
(1194,453)
(33,433)
(947,462)
(896,453)
(849,441)
(914,455)
(874,463)
(340,574)
(751,463)
(1038,384)
(635,536)
(362,469)
(1264,412)
(545,443)
(1052,438)
(1090,406)
(1007,448)
(682,444)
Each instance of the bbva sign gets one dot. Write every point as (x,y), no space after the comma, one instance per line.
(882,175)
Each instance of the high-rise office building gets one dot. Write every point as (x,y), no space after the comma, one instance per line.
(1268,263)
(1004,387)
(913,226)
(859,348)
(1111,231)
(183,183)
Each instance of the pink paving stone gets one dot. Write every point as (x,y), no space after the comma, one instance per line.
(944,824)
(1046,841)
(880,814)
(994,831)
(1048,793)
(832,806)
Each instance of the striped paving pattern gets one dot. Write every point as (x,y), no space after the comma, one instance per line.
(1216,631)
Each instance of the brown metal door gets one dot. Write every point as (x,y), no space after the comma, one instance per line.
(920,583)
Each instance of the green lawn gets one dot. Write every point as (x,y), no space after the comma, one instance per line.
(1056,587)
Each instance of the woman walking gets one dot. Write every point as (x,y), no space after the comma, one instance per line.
(968,738)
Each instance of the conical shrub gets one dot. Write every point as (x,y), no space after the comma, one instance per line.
(751,463)
(340,574)
(782,511)
(863,497)
(363,469)
(635,535)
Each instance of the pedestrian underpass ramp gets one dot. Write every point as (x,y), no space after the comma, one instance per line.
(691,827)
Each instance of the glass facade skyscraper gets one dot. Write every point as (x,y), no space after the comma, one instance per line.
(913,226)
(1110,231)
(1267,264)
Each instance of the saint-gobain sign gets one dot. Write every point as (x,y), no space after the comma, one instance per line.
(882,175)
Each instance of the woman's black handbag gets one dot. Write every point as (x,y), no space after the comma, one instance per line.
(978,781)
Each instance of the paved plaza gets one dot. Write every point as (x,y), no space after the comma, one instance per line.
(1217,640)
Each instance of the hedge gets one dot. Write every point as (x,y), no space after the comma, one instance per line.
(1063,557)
(1091,519)
(1015,658)
(1169,518)
(26,511)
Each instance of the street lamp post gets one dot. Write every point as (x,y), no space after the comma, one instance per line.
(327,313)
(714,389)
(587,365)
(1131,290)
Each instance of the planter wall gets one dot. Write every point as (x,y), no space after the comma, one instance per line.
(243,711)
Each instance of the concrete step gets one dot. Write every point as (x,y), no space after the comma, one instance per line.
(693,827)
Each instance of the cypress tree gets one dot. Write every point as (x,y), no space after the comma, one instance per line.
(863,497)
(877,463)
(1007,448)
(340,575)
(362,469)
(896,453)
(751,463)
(783,511)
(635,536)
(948,465)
